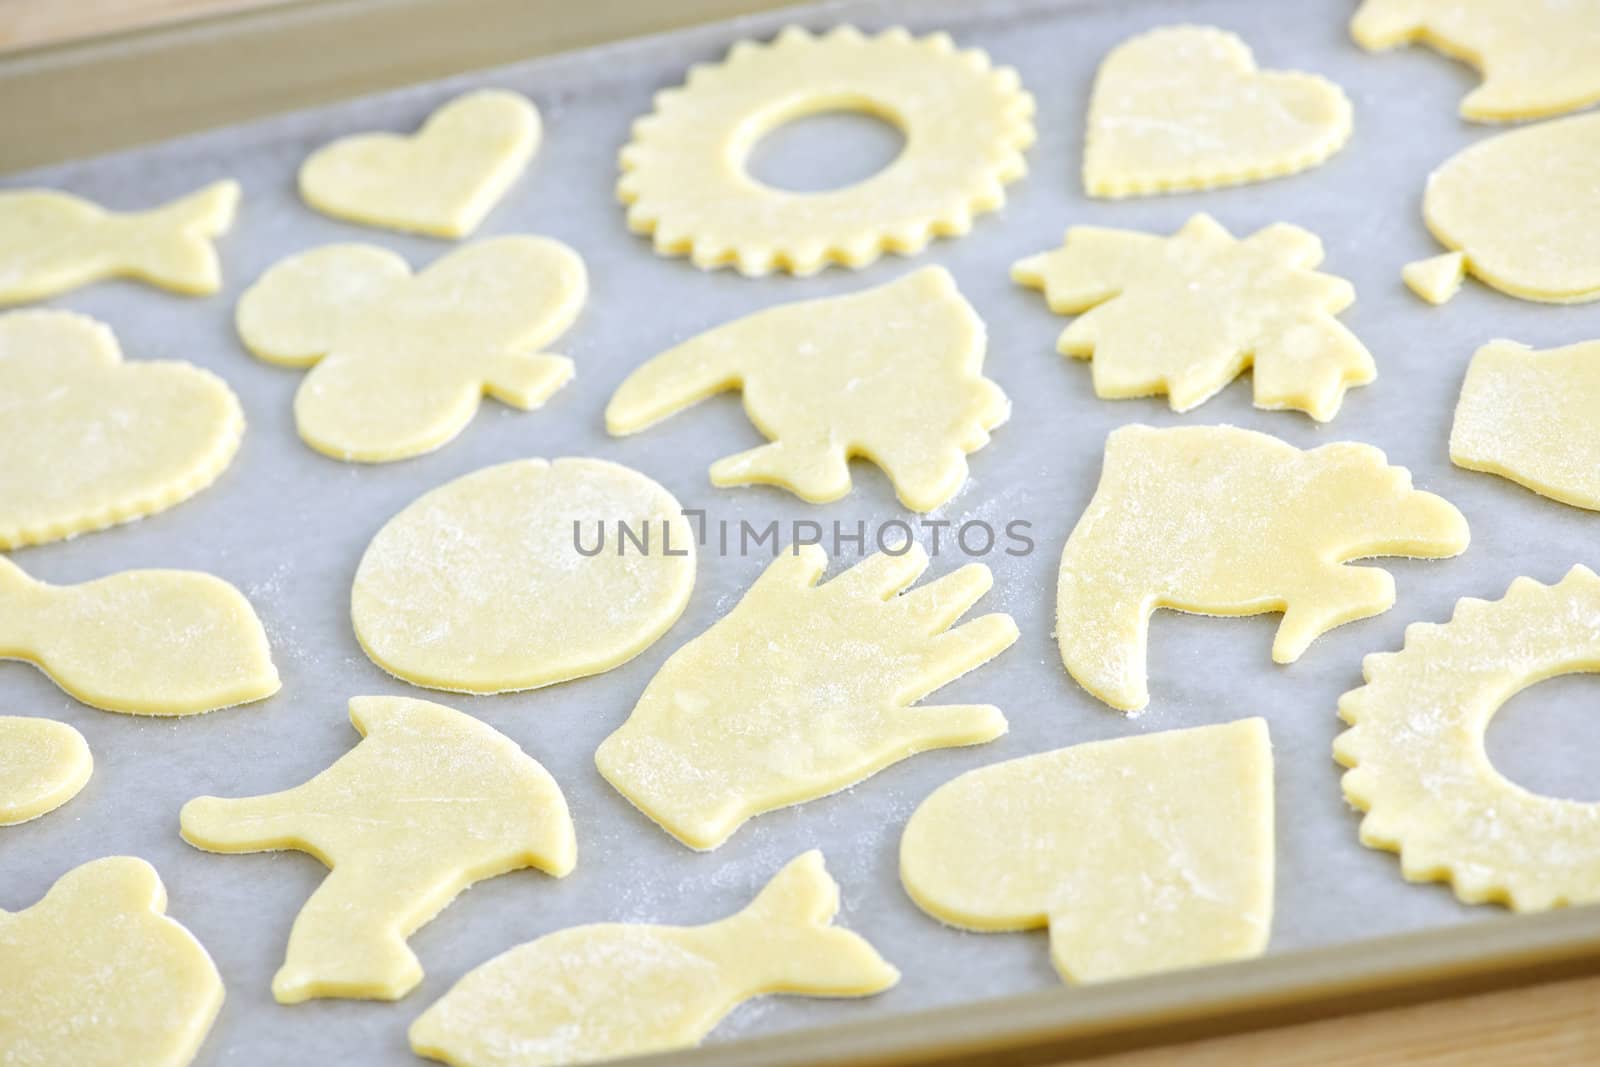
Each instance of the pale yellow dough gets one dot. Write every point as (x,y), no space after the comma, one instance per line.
(1185,107)
(598,992)
(51,242)
(1436,279)
(965,124)
(1216,520)
(90,441)
(893,374)
(1416,753)
(43,764)
(401,360)
(441,181)
(803,690)
(1184,315)
(1141,854)
(429,802)
(96,975)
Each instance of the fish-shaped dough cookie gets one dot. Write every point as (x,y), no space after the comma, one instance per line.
(614,989)
(43,764)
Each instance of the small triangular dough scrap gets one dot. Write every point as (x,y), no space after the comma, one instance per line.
(401,360)
(96,975)
(440,181)
(1141,854)
(1216,520)
(893,374)
(803,690)
(43,764)
(1184,315)
(429,802)
(1419,769)
(91,441)
(1185,107)
(1436,279)
(609,990)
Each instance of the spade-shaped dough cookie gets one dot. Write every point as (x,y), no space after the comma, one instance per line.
(429,802)
(1141,854)
(893,374)
(43,764)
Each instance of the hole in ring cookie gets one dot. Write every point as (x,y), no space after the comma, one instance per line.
(1546,738)
(824,145)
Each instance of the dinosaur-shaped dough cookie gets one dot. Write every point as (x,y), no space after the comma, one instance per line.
(43,764)
(893,374)
(429,802)
(1184,315)
(401,360)
(1217,520)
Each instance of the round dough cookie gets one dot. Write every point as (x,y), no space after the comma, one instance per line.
(43,764)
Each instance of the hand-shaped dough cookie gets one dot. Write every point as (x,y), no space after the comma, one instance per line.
(1184,315)
(96,975)
(149,642)
(1217,520)
(402,359)
(90,440)
(429,802)
(613,989)
(43,764)
(1141,854)
(893,374)
(803,690)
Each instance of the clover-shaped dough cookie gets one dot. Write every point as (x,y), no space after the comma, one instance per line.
(1416,753)
(1184,315)
(626,989)
(1141,854)
(965,124)
(90,441)
(893,374)
(96,975)
(1185,107)
(1216,520)
(401,360)
(441,181)
(43,764)
(429,802)
(803,690)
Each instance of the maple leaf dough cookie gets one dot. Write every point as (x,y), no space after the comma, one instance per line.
(51,242)
(803,690)
(1416,754)
(893,374)
(1185,315)
(965,124)
(91,441)
(96,975)
(429,802)
(1216,520)
(1141,854)
(479,586)
(399,360)
(43,764)
(1185,107)
(626,989)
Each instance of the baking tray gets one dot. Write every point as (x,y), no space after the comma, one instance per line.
(288,526)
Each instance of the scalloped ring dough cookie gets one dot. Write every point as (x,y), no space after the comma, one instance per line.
(43,764)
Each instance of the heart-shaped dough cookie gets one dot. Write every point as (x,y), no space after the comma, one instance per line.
(441,181)
(1185,107)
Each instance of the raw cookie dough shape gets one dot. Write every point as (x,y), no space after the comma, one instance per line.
(479,586)
(401,360)
(965,124)
(1141,854)
(803,690)
(1185,315)
(91,441)
(1537,57)
(1520,212)
(606,990)
(1216,520)
(51,242)
(145,642)
(96,975)
(43,764)
(893,374)
(1416,755)
(429,802)
(440,181)
(1185,107)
